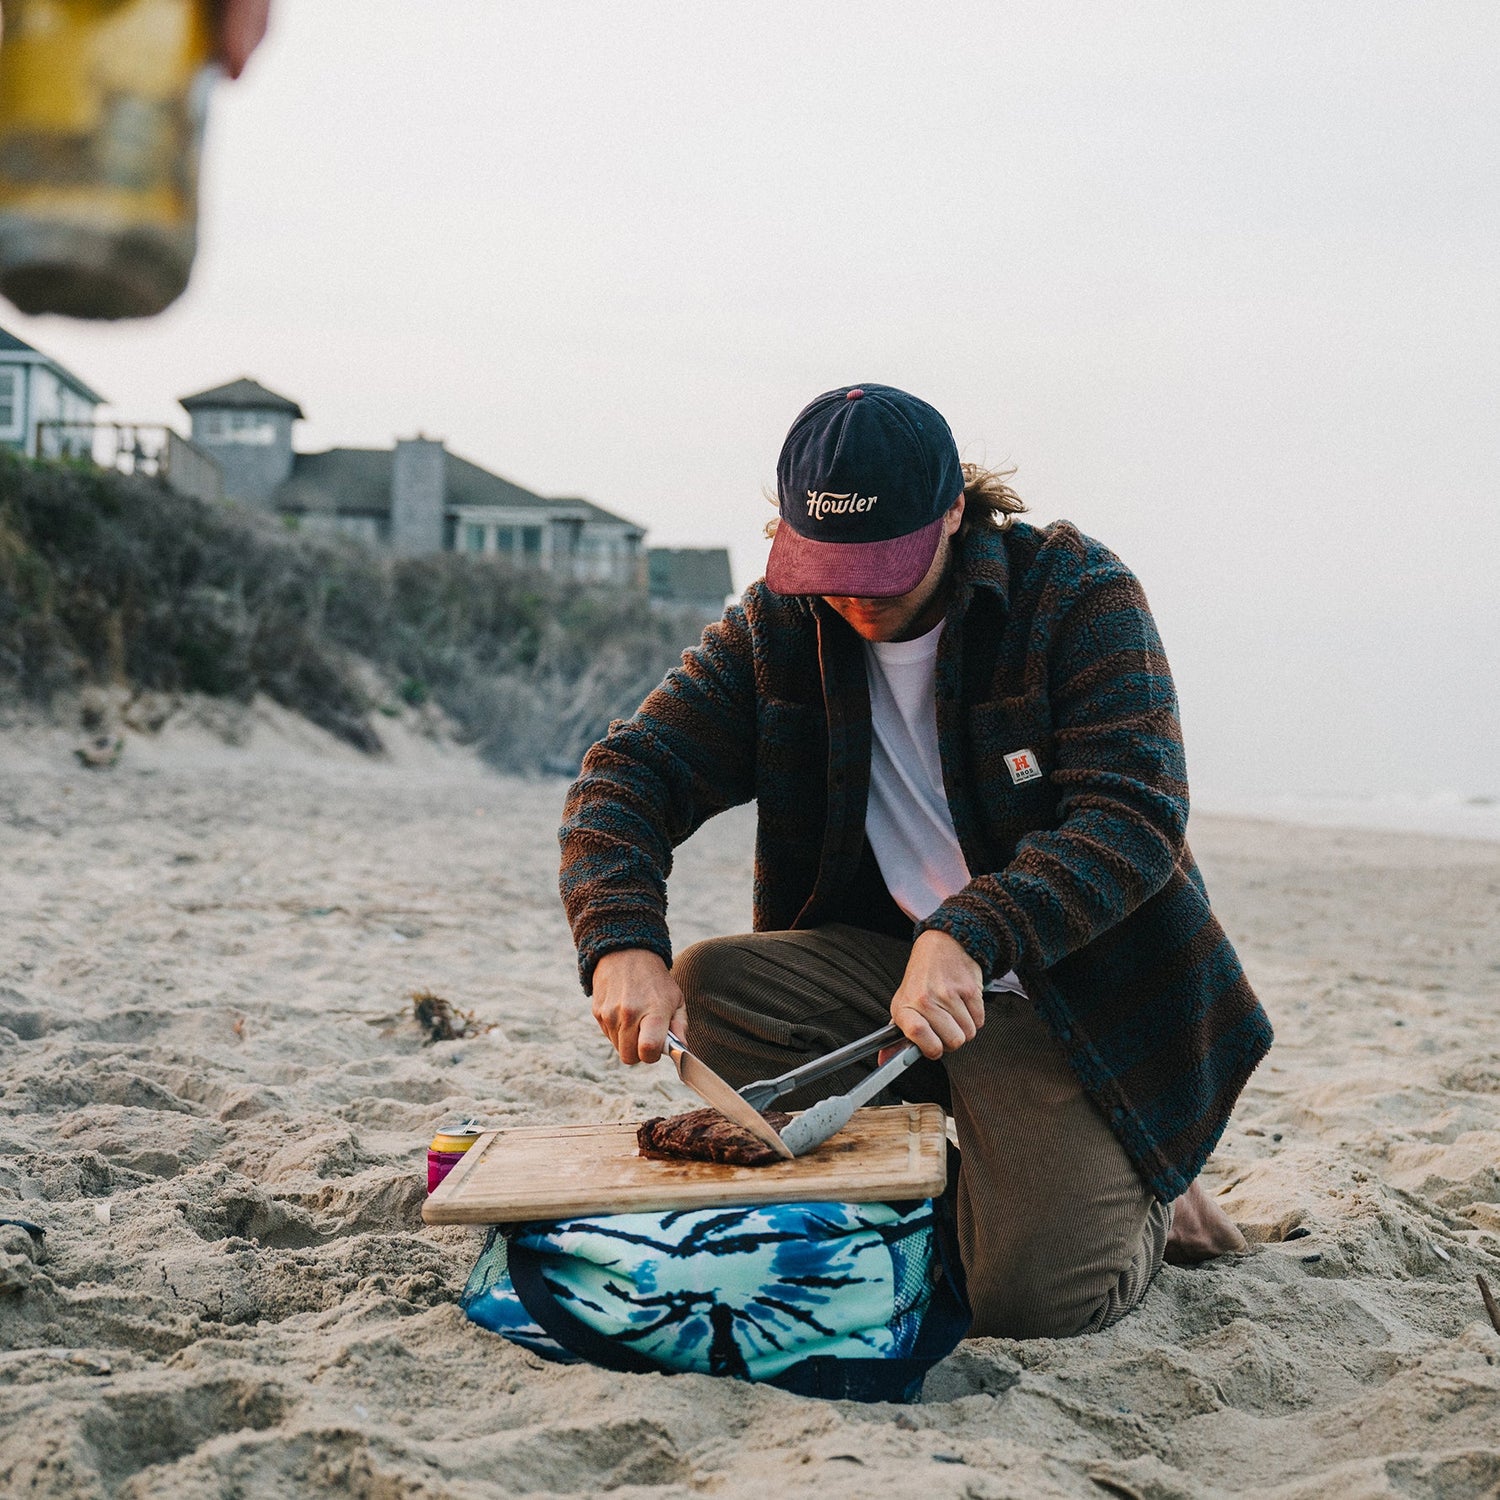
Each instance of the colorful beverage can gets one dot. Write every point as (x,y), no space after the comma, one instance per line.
(447,1150)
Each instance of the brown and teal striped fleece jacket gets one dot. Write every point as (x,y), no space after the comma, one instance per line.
(1089,890)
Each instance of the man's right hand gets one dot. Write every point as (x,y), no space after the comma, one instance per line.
(636,1000)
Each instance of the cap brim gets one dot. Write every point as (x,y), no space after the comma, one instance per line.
(854,570)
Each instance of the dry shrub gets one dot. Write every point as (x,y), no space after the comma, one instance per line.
(109,579)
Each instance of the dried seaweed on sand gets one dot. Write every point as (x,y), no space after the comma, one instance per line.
(443,1021)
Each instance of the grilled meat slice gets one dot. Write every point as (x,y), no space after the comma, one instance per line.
(706,1135)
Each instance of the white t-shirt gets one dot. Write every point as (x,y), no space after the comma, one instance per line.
(907,819)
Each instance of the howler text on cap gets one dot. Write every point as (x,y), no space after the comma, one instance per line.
(865,476)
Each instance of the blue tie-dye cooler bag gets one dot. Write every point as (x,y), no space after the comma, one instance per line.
(845,1300)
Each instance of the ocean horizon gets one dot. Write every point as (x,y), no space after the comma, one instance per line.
(1448,814)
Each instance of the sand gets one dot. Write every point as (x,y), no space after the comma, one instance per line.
(213,1098)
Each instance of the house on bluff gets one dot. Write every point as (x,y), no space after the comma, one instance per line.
(411,499)
(44,408)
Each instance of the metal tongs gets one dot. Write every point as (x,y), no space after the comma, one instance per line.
(813,1126)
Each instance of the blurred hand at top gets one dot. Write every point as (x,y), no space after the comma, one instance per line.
(242,25)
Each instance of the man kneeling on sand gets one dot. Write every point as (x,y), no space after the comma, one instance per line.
(962,738)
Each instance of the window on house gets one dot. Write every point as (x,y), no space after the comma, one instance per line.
(473,538)
(505,540)
(255,428)
(10,403)
(531,541)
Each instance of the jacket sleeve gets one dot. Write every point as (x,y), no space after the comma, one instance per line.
(1123,798)
(688,752)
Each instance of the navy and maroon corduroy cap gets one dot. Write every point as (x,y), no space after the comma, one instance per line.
(864,479)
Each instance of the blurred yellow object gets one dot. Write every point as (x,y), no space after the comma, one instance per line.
(101,121)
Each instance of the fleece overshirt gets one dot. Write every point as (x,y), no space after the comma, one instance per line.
(1091,895)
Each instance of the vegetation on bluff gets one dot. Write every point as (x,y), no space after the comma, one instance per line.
(113,580)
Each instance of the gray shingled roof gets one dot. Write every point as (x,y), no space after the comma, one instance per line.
(348,481)
(355,481)
(593,512)
(10,344)
(468,484)
(689,574)
(243,394)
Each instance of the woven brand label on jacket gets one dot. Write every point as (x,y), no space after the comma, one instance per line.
(1022,766)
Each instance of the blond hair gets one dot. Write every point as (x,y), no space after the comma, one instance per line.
(988,499)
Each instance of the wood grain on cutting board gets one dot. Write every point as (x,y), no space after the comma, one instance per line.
(561,1171)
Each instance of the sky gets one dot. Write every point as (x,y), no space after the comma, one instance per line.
(1218,278)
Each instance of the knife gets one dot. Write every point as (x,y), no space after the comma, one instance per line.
(707,1085)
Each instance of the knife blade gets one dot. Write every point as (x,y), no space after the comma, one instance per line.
(708,1086)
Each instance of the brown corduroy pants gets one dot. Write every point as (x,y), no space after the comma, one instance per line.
(1059,1236)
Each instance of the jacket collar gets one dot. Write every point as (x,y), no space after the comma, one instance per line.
(983,563)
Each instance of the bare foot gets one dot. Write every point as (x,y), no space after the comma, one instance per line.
(1201,1229)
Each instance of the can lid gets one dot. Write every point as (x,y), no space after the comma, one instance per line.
(454,1141)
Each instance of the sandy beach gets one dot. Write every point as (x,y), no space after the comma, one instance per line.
(214,1099)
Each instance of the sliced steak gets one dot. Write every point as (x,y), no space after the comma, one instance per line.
(706,1135)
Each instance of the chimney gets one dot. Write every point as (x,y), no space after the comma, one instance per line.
(418,494)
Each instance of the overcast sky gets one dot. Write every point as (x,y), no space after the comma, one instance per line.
(1220,278)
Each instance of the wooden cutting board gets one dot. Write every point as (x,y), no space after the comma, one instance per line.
(562,1171)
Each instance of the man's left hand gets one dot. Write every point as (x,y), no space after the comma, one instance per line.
(940,1004)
